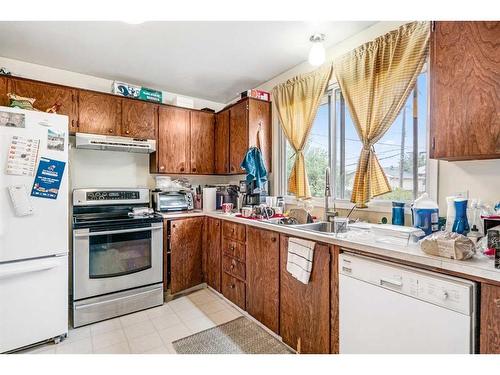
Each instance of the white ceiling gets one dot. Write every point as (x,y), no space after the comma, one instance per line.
(210,60)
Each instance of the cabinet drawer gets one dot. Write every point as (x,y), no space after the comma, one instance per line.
(234,249)
(233,267)
(233,289)
(234,231)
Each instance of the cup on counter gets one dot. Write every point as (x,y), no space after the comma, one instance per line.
(271,201)
(226,208)
(246,211)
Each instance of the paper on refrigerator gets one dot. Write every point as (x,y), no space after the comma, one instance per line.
(22,155)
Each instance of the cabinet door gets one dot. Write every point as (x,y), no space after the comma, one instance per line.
(490,319)
(99,113)
(259,122)
(47,95)
(238,136)
(262,276)
(213,253)
(202,142)
(222,142)
(186,253)
(173,140)
(4,81)
(305,309)
(465,90)
(139,119)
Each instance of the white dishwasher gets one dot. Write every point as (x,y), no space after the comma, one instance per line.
(388,308)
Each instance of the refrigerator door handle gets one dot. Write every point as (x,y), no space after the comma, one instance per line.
(19,269)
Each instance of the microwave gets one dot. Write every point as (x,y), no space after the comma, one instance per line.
(165,201)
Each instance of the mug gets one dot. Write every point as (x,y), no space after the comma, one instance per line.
(246,211)
(227,207)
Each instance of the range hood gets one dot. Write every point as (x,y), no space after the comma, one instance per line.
(113,143)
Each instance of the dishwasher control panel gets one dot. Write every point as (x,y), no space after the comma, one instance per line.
(441,290)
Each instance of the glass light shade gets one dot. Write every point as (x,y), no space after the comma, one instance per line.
(317,54)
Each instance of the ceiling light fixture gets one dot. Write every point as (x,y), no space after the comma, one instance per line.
(317,51)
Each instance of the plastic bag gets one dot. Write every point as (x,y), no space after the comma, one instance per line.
(448,245)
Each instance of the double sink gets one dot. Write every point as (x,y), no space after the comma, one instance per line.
(320,226)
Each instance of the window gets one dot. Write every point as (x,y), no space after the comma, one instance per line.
(334,142)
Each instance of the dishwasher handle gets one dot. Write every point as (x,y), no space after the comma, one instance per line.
(390,282)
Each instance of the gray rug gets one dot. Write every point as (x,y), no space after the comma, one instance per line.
(239,336)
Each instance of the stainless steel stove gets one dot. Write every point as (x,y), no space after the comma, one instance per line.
(117,256)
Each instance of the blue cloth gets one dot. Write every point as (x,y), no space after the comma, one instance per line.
(254,166)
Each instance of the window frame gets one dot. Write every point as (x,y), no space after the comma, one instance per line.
(374,205)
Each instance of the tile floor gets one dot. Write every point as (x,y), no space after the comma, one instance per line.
(149,331)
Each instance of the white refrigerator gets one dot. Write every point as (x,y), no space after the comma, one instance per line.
(34,233)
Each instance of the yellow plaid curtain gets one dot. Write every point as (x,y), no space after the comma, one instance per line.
(376,79)
(297,102)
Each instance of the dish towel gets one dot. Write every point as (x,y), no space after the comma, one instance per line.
(300,258)
(254,166)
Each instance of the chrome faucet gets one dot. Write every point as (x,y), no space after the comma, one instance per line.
(329,215)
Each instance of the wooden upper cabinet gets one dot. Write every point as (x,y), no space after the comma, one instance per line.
(260,129)
(305,309)
(186,247)
(139,119)
(173,151)
(99,113)
(238,136)
(3,91)
(213,253)
(262,276)
(222,142)
(202,142)
(46,95)
(465,90)
(490,319)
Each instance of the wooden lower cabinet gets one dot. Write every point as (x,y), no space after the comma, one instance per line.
(213,253)
(490,319)
(186,248)
(305,309)
(233,289)
(334,299)
(262,276)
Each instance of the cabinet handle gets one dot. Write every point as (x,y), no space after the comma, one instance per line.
(194,169)
(182,169)
(110,130)
(273,239)
(232,286)
(162,167)
(173,225)
(72,123)
(127,132)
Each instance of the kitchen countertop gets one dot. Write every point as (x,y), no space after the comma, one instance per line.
(478,266)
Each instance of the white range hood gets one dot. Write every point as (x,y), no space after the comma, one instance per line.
(113,143)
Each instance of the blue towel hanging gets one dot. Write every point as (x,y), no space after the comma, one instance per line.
(254,166)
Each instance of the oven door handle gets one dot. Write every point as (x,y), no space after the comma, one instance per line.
(88,234)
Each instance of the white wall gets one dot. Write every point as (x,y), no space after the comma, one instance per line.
(480,178)
(91,168)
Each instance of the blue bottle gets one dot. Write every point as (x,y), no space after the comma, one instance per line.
(425,214)
(398,213)
(461,224)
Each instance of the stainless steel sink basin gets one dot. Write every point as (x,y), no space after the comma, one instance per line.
(321,226)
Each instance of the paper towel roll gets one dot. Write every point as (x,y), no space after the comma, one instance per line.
(209,195)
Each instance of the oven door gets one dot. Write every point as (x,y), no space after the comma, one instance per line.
(110,260)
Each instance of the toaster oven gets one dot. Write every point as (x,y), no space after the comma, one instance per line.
(165,201)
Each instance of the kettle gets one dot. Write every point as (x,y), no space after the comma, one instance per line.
(425,214)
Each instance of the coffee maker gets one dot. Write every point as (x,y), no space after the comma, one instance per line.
(252,195)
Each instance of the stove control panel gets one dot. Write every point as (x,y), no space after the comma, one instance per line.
(91,197)
(112,195)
